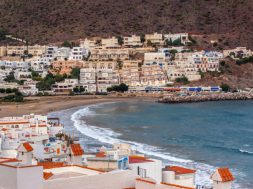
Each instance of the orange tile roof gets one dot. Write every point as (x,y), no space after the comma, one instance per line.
(51,165)
(225,174)
(147,181)
(138,159)
(100,154)
(175,185)
(76,149)
(47,175)
(180,170)
(28,147)
(8,160)
(16,122)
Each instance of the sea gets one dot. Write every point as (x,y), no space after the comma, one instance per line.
(201,136)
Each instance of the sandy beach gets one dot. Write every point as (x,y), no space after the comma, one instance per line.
(44,105)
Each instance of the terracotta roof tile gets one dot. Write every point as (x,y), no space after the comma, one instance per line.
(28,147)
(76,149)
(180,170)
(100,155)
(138,159)
(47,175)
(51,165)
(225,174)
(175,185)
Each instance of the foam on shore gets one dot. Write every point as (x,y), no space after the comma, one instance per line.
(106,135)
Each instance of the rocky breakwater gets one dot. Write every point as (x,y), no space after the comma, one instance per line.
(206,97)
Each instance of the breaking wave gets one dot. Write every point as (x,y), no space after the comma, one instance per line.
(108,136)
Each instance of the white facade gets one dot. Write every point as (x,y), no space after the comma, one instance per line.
(148,169)
(62,53)
(78,53)
(182,36)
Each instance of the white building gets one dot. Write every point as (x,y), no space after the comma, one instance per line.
(62,53)
(64,87)
(183,37)
(78,53)
(238,52)
(51,52)
(146,168)
(222,179)
(41,64)
(158,58)
(179,176)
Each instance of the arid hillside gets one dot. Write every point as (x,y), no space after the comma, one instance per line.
(42,21)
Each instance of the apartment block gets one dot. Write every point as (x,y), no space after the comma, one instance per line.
(130,73)
(153,75)
(132,41)
(65,66)
(88,43)
(184,38)
(110,42)
(154,38)
(109,54)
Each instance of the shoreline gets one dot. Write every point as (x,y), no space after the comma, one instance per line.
(45,105)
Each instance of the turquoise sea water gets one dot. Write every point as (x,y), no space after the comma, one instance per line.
(199,135)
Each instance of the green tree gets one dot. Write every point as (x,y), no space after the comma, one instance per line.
(184,80)
(177,42)
(3,34)
(120,40)
(76,90)
(81,89)
(10,78)
(149,43)
(225,87)
(75,73)
(142,38)
(2,90)
(66,44)
(118,88)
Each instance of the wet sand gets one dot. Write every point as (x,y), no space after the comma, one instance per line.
(44,105)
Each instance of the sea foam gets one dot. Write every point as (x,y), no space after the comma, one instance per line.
(108,136)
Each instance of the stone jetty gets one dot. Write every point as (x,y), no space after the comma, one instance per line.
(198,97)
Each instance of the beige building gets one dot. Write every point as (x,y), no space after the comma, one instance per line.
(98,80)
(3,51)
(157,58)
(154,38)
(132,41)
(36,50)
(183,65)
(100,65)
(153,75)
(130,74)
(65,66)
(110,42)
(109,54)
(88,43)
(238,51)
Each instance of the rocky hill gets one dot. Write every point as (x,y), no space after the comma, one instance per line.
(43,21)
